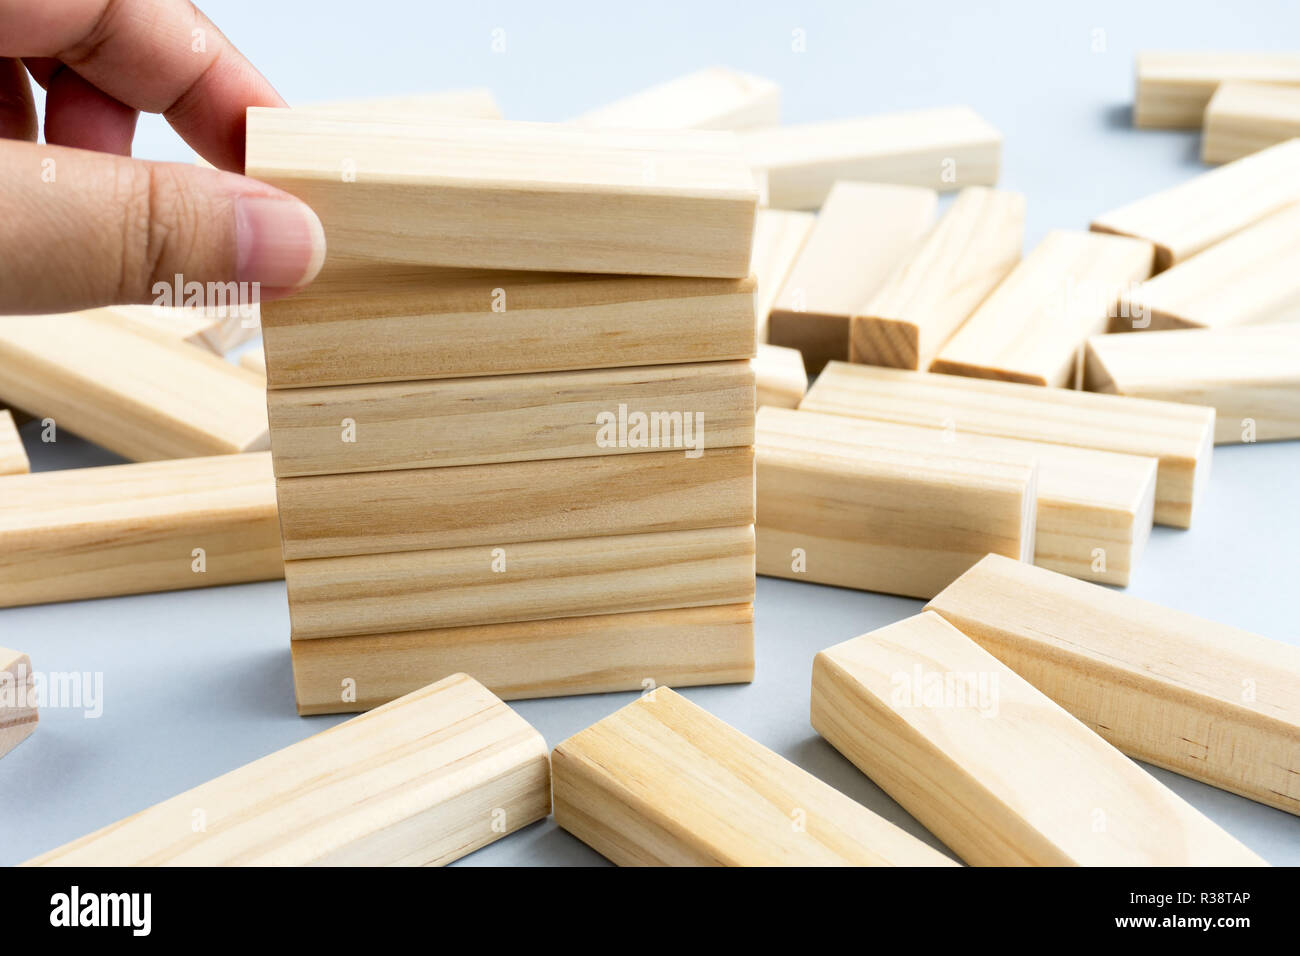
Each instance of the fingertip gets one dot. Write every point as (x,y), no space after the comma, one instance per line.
(280,243)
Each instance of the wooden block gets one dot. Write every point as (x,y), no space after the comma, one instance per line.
(1194,215)
(861,234)
(130,529)
(476,103)
(386,325)
(837,509)
(13,457)
(418,782)
(464,506)
(558,657)
(254,361)
(471,421)
(780,377)
(416,590)
(18,714)
(714,98)
(1033,326)
(1173,88)
(217,330)
(779,237)
(1205,700)
(662,782)
(491,194)
(936,288)
(990,765)
(144,396)
(1243,118)
(945,148)
(1250,375)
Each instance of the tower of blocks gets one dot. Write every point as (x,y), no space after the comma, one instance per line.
(512,421)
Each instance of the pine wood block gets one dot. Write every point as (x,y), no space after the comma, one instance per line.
(464,506)
(1250,375)
(936,288)
(991,766)
(837,509)
(216,329)
(421,781)
(385,325)
(662,782)
(945,148)
(1243,118)
(492,194)
(779,237)
(18,715)
(862,233)
(529,581)
(1173,88)
(254,361)
(546,415)
(474,103)
(13,457)
(1208,701)
(552,658)
(713,98)
(1194,215)
(1031,329)
(144,396)
(135,528)
(780,377)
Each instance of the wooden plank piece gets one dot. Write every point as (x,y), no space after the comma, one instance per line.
(1243,118)
(18,710)
(779,376)
(779,237)
(712,98)
(472,103)
(1173,87)
(13,457)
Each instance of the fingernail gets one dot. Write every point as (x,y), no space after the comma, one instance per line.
(279,242)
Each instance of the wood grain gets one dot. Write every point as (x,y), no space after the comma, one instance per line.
(779,376)
(712,98)
(779,237)
(18,712)
(1173,87)
(13,457)
(1243,118)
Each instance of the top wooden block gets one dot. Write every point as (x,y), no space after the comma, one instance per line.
(501,195)
(714,98)
(1173,87)
(1244,118)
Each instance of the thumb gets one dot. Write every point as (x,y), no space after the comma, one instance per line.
(84,229)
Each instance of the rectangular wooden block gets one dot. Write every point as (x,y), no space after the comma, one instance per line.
(386,325)
(662,782)
(614,574)
(779,237)
(780,377)
(1173,88)
(255,362)
(552,658)
(1250,375)
(13,457)
(18,713)
(862,232)
(837,509)
(940,283)
(1181,437)
(713,98)
(144,396)
(1033,326)
(945,148)
(991,766)
(1243,118)
(491,194)
(130,529)
(473,103)
(421,781)
(1211,702)
(527,417)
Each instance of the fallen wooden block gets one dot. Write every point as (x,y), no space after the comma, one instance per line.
(1243,118)
(491,194)
(1173,88)
(862,232)
(779,237)
(1032,328)
(936,287)
(945,148)
(18,712)
(1180,436)
(662,782)
(714,98)
(144,396)
(1205,700)
(216,329)
(131,529)
(552,658)
(475,103)
(1194,215)
(13,457)
(1250,375)
(547,415)
(418,782)
(779,376)
(991,766)
(254,361)
(836,509)
(385,325)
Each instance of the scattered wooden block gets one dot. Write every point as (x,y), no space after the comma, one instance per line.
(530,581)
(1205,700)
(254,361)
(18,713)
(936,287)
(779,237)
(714,98)
(662,782)
(144,396)
(217,330)
(547,415)
(552,658)
(1173,88)
(1033,326)
(388,325)
(491,194)
(991,766)
(13,457)
(476,103)
(1250,375)
(1209,208)
(1243,118)
(1180,436)
(836,509)
(418,782)
(862,232)
(945,148)
(779,376)
(130,529)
